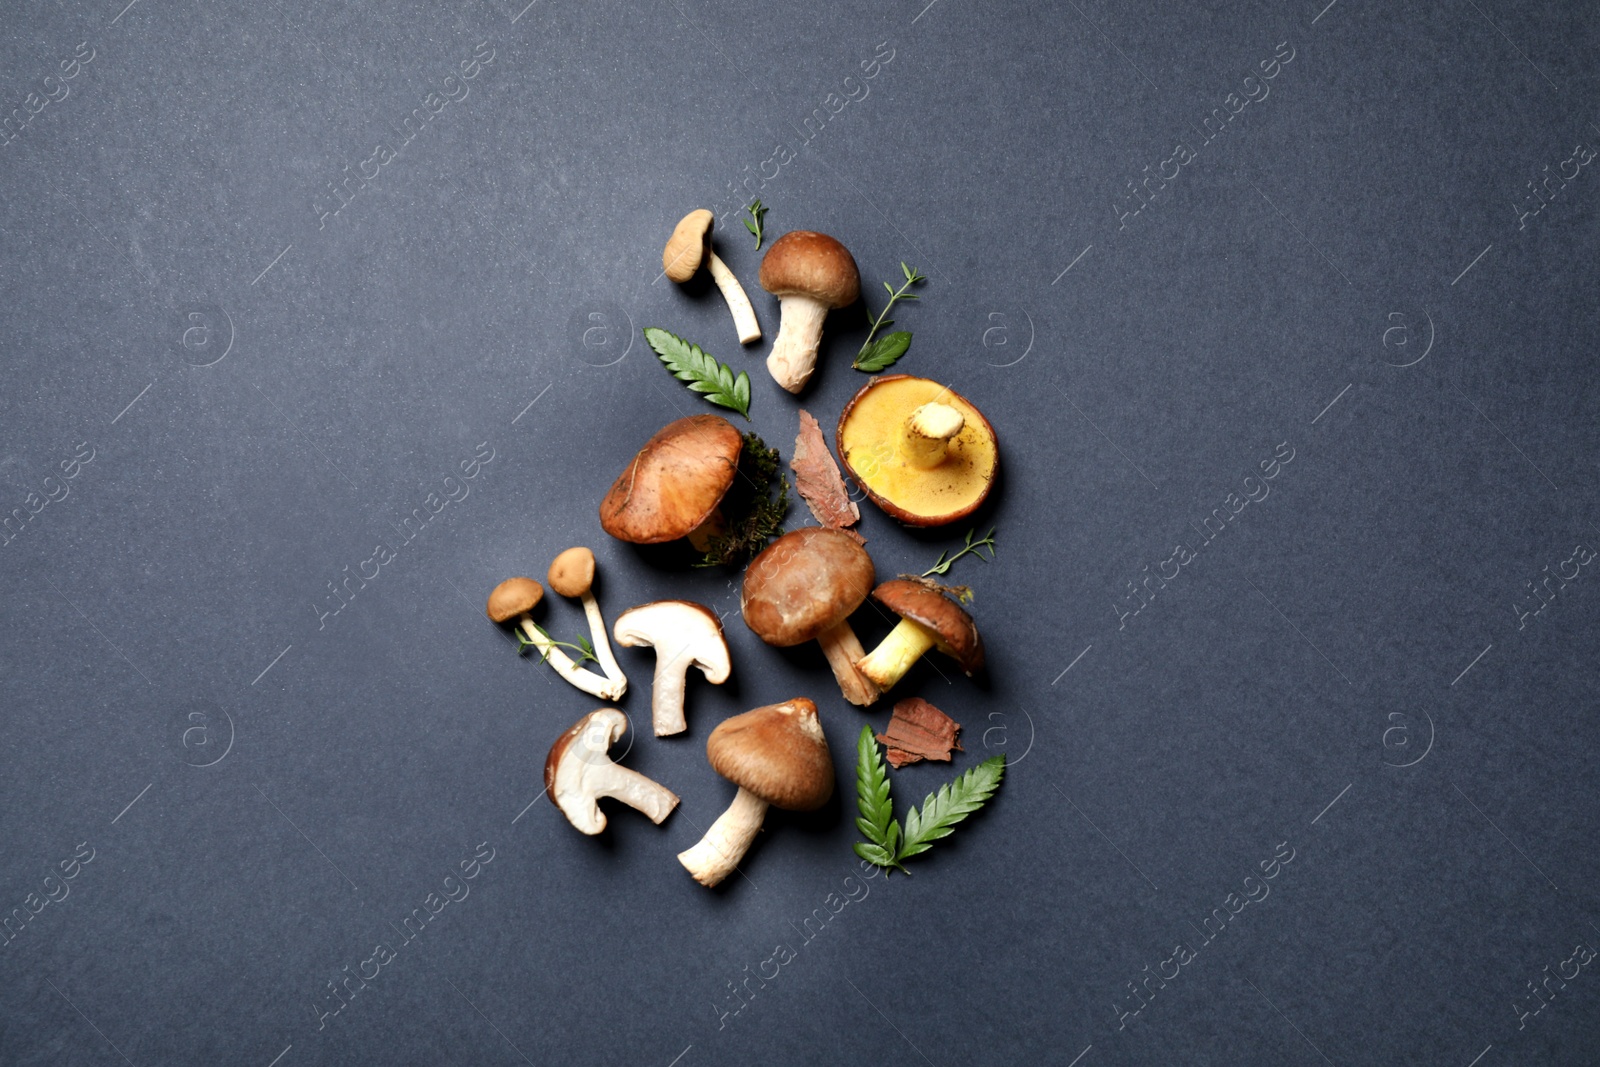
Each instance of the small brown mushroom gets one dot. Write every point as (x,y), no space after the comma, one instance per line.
(776,755)
(672,487)
(572,575)
(810,274)
(922,452)
(803,587)
(684,635)
(578,772)
(928,619)
(687,248)
(513,600)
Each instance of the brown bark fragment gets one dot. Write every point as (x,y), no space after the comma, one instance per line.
(917,731)
(817,478)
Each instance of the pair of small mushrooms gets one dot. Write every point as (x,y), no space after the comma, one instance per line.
(777,755)
(805,586)
(810,274)
(683,635)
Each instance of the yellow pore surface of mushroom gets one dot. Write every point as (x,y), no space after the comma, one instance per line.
(887,458)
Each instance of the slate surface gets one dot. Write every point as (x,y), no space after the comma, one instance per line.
(225,383)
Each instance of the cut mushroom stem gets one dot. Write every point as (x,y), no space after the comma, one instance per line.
(929,430)
(843,650)
(717,854)
(894,656)
(572,575)
(794,353)
(578,772)
(744,316)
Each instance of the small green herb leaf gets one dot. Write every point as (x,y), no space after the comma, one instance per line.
(954,801)
(756,222)
(884,351)
(975,547)
(692,364)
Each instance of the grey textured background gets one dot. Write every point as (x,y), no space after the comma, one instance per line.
(1350,672)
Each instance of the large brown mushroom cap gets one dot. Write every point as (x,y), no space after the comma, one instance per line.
(686,248)
(807,581)
(872,446)
(675,482)
(811,264)
(513,597)
(954,632)
(777,752)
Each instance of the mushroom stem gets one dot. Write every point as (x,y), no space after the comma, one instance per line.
(744,316)
(794,353)
(594,685)
(714,856)
(928,432)
(844,651)
(640,793)
(666,695)
(715,525)
(888,663)
(602,645)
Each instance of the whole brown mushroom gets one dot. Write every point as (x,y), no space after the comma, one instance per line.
(803,587)
(689,247)
(810,274)
(928,620)
(778,756)
(572,575)
(673,485)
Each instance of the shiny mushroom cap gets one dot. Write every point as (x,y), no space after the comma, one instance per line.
(686,248)
(803,263)
(807,581)
(513,597)
(777,752)
(954,632)
(921,452)
(572,573)
(675,481)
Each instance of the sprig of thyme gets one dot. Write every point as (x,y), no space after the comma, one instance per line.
(976,548)
(584,650)
(877,355)
(756,222)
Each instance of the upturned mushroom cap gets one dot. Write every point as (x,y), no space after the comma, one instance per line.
(572,573)
(686,248)
(954,632)
(871,441)
(513,597)
(811,264)
(674,482)
(777,752)
(807,581)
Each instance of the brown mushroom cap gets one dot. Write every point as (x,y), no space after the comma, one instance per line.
(572,573)
(675,482)
(513,597)
(807,581)
(777,752)
(811,264)
(686,248)
(955,634)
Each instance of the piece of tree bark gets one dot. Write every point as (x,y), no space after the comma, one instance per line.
(817,478)
(917,731)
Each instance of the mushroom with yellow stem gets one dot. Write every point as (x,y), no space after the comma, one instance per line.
(513,600)
(687,248)
(928,620)
(778,756)
(921,451)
